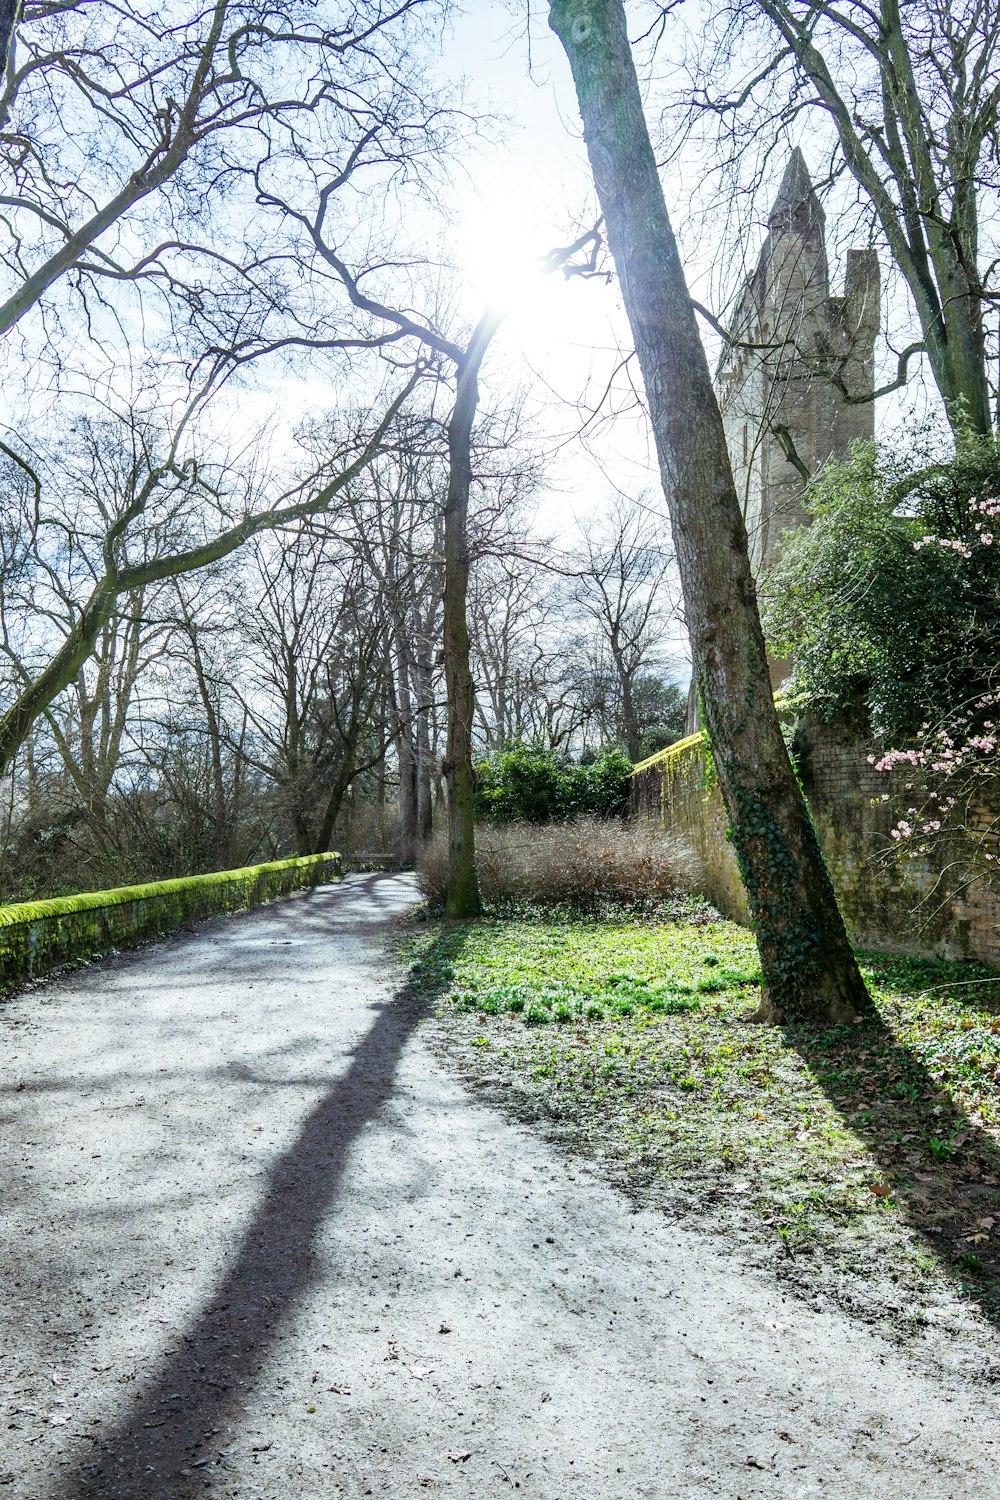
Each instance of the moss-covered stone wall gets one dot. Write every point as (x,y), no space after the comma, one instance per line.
(676,789)
(39,936)
(921,906)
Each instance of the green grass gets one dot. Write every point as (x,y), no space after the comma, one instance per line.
(874,1149)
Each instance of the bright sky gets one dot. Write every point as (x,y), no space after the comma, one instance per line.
(533,193)
(566,337)
(530,195)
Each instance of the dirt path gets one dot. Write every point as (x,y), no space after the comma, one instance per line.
(258,1244)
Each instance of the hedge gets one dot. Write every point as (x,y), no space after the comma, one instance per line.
(525,783)
(39,936)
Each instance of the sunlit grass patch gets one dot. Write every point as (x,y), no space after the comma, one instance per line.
(588,970)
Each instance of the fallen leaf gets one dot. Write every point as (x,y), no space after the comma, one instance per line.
(880,1189)
(419,1371)
(340,1390)
(459,1458)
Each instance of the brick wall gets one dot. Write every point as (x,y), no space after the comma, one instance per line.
(914,906)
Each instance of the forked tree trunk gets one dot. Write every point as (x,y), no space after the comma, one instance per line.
(809,969)
(407,788)
(407,800)
(463,883)
(630,721)
(324,844)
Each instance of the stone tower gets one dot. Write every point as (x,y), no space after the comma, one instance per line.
(789,336)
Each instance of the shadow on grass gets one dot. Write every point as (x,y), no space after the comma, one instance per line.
(938,1165)
(163,1447)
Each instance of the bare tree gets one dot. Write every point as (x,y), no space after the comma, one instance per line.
(907,99)
(465,360)
(138,146)
(199,748)
(623,588)
(514,640)
(134,140)
(316,678)
(809,968)
(397,527)
(162,499)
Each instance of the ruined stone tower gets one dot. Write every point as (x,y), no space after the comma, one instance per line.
(777,381)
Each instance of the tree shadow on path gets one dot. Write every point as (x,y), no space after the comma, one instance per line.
(170,1424)
(938,1166)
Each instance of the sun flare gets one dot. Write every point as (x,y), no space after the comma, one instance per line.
(502,240)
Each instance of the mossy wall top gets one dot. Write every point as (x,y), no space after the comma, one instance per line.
(38,936)
(918,906)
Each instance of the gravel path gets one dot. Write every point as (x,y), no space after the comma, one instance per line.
(258,1244)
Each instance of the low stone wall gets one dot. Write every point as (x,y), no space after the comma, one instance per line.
(916,906)
(39,936)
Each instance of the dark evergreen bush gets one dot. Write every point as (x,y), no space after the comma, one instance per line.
(889,602)
(529,784)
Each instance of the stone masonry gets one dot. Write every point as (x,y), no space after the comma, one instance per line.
(793,346)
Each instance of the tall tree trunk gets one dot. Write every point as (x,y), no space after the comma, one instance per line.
(222,829)
(403,707)
(303,833)
(407,798)
(463,884)
(425,756)
(334,802)
(630,722)
(809,969)
(9,11)
(380,775)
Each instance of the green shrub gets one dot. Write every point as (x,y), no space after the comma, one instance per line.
(525,783)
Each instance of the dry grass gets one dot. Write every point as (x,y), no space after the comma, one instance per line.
(589,865)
